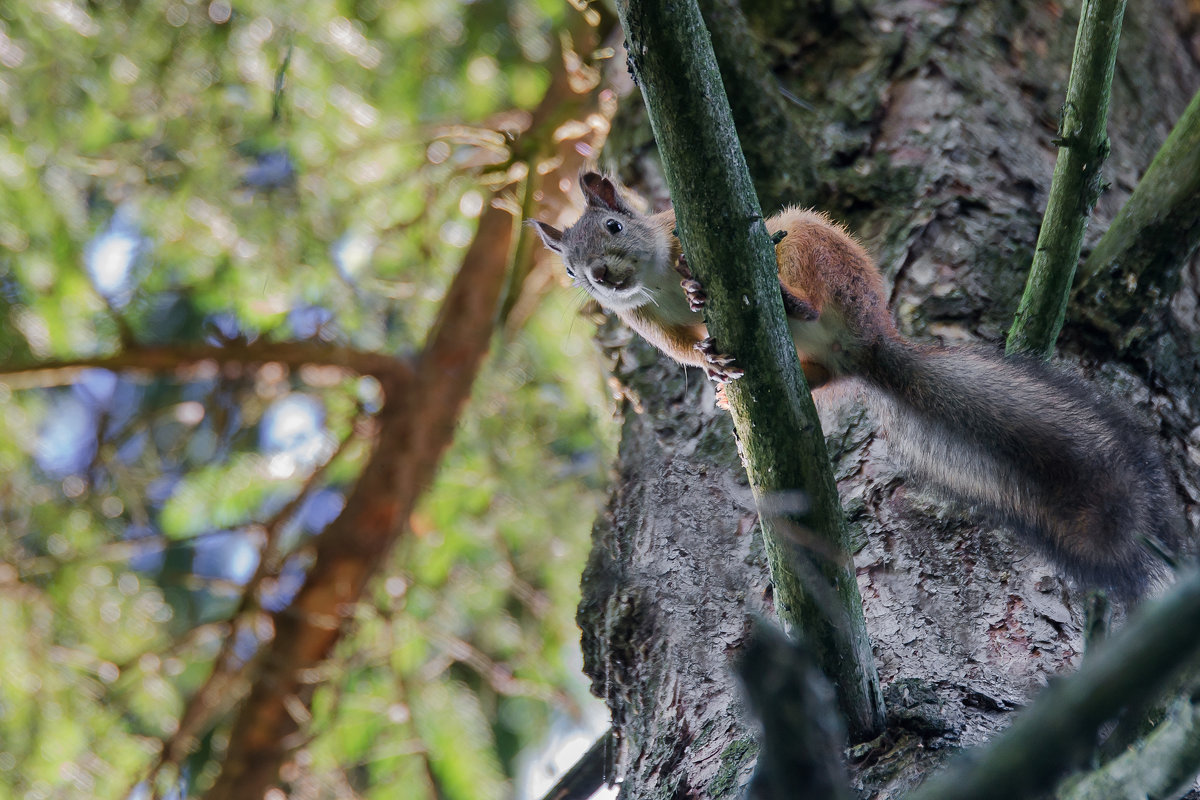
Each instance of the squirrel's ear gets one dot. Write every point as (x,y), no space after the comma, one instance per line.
(550,235)
(602,192)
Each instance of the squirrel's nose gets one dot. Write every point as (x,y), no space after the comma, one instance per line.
(599,272)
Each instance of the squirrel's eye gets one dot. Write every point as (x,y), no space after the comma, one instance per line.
(613,226)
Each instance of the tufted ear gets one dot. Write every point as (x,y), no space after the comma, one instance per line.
(601,192)
(550,235)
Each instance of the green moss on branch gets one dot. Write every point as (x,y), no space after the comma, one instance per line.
(1136,266)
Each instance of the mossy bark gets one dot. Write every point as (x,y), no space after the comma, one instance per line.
(1137,265)
(779,158)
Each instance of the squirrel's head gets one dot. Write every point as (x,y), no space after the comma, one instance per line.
(611,250)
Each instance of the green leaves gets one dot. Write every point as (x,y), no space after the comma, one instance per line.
(128,544)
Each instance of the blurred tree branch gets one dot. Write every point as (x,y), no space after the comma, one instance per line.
(1161,765)
(180,357)
(417,424)
(215,693)
(1131,667)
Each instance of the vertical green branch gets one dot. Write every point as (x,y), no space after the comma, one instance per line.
(1083,147)
(726,241)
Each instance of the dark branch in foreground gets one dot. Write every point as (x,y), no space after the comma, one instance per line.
(1131,668)
(803,736)
(589,773)
(1162,765)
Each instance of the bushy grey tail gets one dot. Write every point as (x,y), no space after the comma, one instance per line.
(1040,449)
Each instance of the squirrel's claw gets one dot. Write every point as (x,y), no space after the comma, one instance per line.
(724,375)
(721,400)
(695,294)
(691,287)
(719,366)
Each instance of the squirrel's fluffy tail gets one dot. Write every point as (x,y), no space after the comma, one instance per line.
(1044,452)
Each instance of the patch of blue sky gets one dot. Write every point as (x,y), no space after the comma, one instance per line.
(232,556)
(292,434)
(66,442)
(111,257)
(352,252)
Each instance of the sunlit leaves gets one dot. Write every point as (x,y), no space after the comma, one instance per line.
(447,716)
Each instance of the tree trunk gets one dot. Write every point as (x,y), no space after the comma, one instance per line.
(933,126)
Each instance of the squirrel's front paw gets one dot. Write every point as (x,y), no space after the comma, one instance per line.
(719,366)
(691,287)
(695,294)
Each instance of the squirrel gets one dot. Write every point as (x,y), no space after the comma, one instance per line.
(1038,449)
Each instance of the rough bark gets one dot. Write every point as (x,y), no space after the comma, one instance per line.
(1059,730)
(934,130)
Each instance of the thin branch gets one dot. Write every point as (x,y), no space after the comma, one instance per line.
(433,784)
(128,548)
(777,155)
(1136,265)
(1083,143)
(496,674)
(722,229)
(202,707)
(589,773)
(1128,669)
(184,357)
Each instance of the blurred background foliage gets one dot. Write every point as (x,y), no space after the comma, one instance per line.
(187,171)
